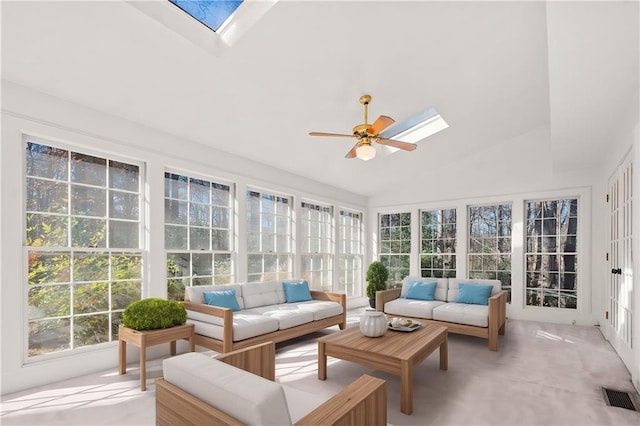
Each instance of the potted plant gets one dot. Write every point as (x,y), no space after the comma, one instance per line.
(153,314)
(377,276)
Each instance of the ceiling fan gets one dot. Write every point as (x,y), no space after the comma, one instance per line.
(367,133)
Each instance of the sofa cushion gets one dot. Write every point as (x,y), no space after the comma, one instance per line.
(195,293)
(297,291)
(476,294)
(222,299)
(262,294)
(287,314)
(462,313)
(421,290)
(441,286)
(452,294)
(245,326)
(412,307)
(320,309)
(249,398)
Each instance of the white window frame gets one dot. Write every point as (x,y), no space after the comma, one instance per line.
(222,270)
(316,244)
(432,264)
(113,309)
(491,272)
(270,252)
(390,257)
(527,253)
(350,252)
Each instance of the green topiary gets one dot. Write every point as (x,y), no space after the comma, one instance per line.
(154,313)
(377,276)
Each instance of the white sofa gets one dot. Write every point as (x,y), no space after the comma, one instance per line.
(264,315)
(239,388)
(487,321)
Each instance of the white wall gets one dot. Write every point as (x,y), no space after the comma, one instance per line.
(522,169)
(514,171)
(27,112)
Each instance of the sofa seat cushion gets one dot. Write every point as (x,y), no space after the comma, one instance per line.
(263,294)
(288,315)
(245,326)
(320,309)
(463,313)
(412,307)
(249,398)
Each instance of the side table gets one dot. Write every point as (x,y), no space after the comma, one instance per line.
(144,339)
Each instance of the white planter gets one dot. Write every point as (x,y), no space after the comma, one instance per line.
(373,323)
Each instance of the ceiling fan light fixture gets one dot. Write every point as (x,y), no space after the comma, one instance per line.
(365,152)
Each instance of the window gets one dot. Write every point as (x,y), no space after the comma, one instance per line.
(210,13)
(197,233)
(316,229)
(438,245)
(269,253)
(551,255)
(350,253)
(83,246)
(395,245)
(490,244)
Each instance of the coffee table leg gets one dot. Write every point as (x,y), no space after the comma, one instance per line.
(172,347)
(444,354)
(322,362)
(406,388)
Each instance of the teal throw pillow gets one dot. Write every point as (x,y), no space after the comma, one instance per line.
(421,290)
(475,294)
(296,291)
(222,299)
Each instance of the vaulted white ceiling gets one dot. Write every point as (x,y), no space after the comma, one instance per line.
(494,70)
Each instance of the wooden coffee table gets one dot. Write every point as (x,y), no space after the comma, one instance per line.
(396,352)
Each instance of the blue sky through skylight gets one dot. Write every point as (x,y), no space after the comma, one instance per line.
(212,13)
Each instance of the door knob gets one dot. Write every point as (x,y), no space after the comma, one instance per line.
(616,271)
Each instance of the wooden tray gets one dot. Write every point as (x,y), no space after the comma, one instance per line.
(414,326)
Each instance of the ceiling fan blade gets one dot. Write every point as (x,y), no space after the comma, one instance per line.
(352,153)
(334,135)
(380,124)
(397,144)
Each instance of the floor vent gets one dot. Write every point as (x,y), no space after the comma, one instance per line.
(615,398)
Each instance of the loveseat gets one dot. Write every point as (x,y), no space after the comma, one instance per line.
(472,307)
(263,311)
(239,388)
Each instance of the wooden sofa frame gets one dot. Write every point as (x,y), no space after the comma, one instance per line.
(363,402)
(227,344)
(497,317)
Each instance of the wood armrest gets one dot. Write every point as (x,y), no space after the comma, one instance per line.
(362,402)
(340,298)
(259,359)
(384,296)
(498,307)
(206,309)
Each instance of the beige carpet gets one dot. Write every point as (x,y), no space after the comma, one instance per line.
(543,374)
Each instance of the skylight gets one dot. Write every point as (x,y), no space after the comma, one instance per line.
(417,128)
(212,13)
